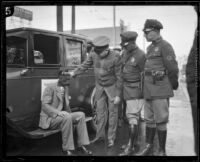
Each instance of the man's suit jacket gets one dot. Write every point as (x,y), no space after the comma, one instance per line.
(52,96)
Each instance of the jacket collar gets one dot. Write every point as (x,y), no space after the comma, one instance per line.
(157,40)
(131,49)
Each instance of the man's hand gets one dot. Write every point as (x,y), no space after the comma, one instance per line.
(72,74)
(62,113)
(116,100)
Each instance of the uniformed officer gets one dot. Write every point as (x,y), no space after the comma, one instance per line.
(160,79)
(133,60)
(107,96)
(56,113)
(191,80)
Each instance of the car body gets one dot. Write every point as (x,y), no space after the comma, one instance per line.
(35,55)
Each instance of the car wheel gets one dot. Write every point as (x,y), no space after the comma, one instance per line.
(93,122)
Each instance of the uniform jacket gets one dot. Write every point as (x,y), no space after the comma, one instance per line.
(52,96)
(192,85)
(131,73)
(160,57)
(107,73)
(191,70)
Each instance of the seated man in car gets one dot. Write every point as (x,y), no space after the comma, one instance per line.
(56,114)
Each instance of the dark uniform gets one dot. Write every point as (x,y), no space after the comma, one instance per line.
(161,60)
(191,79)
(107,73)
(133,60)
(160,78)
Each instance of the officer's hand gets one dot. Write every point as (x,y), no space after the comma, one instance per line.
(72,74)
(62,113)
(116,100)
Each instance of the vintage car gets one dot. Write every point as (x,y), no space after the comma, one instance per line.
(33,57)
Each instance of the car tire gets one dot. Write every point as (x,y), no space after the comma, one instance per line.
(93,123)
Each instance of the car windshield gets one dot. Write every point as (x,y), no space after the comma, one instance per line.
(15,50)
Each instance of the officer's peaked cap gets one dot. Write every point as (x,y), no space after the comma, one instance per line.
(101,41)
(89,42)
(152,24)
(128,36)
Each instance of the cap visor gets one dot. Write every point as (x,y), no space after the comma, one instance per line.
(148,29)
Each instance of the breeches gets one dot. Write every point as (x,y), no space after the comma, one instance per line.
(133,109)
(156,112)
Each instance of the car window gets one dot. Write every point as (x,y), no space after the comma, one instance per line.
(46,49)
(15,50)
(74,52)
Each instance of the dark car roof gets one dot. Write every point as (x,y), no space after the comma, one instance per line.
(46,31)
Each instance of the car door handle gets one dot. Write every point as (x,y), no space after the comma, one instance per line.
(24,72)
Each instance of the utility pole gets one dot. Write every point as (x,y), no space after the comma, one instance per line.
(73,20)
(59,18)
(114,28)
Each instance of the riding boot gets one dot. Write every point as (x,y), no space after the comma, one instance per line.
(162,135)
(136,144)
(150,133)
(129,139)
(129,149)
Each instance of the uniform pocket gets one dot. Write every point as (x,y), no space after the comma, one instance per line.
(130,67)
(109,67)
(160,83)
(132,64)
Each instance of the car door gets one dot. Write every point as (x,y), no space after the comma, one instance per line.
(42,63)
(81,87)
(18,85)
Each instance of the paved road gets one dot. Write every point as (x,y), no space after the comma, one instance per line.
(180,139)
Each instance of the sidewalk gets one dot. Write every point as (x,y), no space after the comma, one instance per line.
(180,140)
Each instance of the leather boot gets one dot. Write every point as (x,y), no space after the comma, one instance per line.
(129,149)
(150,133)
(136,144)
(162,135)
(129,139)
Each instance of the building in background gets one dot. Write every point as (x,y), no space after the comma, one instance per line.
(20,18)
(107,31)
